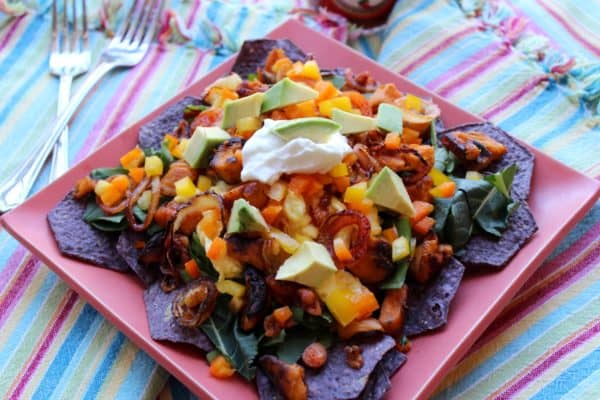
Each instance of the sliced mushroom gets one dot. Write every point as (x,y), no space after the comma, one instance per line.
(376,264)
(288,378)
(428,258)
(193,305)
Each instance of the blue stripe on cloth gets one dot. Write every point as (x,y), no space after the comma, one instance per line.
(141,368)
(104,367)
(68,349)
(29,35)
(398,17)
(577,115)
(569,378)
(521,342)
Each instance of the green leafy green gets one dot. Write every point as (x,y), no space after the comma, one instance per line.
(445,160)
(338,81)
(238,347)
(199,255)
(103,173)
(296,340)
(433,135)
(94,216)
(251,77)
(397,279)
(274,341)
(503,180)
(195,108)
(140,215)
(164,154)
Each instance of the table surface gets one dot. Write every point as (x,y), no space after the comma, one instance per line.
(531,67)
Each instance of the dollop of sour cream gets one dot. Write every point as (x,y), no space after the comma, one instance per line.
(267,156)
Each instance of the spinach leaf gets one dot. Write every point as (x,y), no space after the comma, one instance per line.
(251,77)
(94,216)
(441,212)
(445,160)
(140,215)
(103,173)
(195,108)
(163,153)
(459,223)
(238,347)
(274,341)
(199,255)
(296,340)
(503,180)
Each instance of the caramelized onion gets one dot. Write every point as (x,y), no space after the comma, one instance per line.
(133,197)
(194,304)
(342,219)
(288,378)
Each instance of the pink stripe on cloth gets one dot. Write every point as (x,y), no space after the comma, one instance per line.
(551,360)
(444,44)
(484,65)
(514,97)
(193,13)
(548,291)
(562,21)
(192,74)
(20,284)
(11,266)
(453,72)
(11,31)
(41,352)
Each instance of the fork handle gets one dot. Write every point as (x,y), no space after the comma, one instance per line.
(60,153)
(14,189)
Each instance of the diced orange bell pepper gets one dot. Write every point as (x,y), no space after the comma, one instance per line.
(210,224)
(301,110)
(410,136)
(363,206)
(271,212)
(220,368)
(326,90)
(282,315)
(191,268)
(445,189)
(422,209)
(120,182)
(392,141)
(341,251)
(133,158)
(341,183)
(217,249)
(390,234)
(112,195)
(359,101)
(136,174)
(423,226)
(171,142)
(299,183)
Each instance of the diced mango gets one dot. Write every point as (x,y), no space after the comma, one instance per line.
(346,298)
(204,183)
(153,166)
(185,188)
(355,193)
(438,177)
(311,70)
(111,195)
(247,124)
(326,106)
(180,148)
(133,158)
(101,187)
(413,102)
(339,170)
(232,288)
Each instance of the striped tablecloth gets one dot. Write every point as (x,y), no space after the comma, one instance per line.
(531,66)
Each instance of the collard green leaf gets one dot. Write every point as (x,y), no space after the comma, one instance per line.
(199,255)
(238,347)
(103,173)
(296,340)
(459,224)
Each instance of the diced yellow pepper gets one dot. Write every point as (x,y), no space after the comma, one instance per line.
(153,166)
(247,124)
(204,183)
(180,148)
(355,193)
(346,298)
(400,248)
(438,177)
(310,70)
(326,106)
(413,102)
(230,287)
(339,170)
(185,188)
(101,187)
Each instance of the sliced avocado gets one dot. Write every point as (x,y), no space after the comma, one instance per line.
(286,92)
(310,265)
(387,190)
(202,143)
(316,129)
(246,218)
(389,118)
(353,123)
(245,107)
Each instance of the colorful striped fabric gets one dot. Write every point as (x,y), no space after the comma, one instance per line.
(531,66)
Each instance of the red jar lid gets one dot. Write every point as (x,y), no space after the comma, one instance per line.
(364,12)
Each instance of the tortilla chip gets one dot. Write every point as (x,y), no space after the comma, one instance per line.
(127,250)
(516,154)
(428,305)
(380,380)
(163,325)
(152,133)
(485,251)
(254,53)
(76,238)
(266,390)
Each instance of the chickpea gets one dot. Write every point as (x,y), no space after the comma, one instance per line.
(315,355)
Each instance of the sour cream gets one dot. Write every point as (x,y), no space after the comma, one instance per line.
(267,156)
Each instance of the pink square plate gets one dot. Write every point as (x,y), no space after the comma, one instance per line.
(559,198)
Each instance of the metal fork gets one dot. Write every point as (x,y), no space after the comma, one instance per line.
(126,49)
(69,58)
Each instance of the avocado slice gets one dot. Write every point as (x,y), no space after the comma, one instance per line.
(310,265)
(316,129)
(248,106)
(353,123)
(286,92)
(387,190)
(389,118)
(245,218)
(203,142)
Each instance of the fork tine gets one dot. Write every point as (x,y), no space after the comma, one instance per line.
(64,28)
(139,22)
(74,32)
(54,38)
(152,27)
(84,28)
(126,24)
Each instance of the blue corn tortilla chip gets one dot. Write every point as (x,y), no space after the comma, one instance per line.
(485,251)
(254,53)
(127,250)
(336,380)
(380,380)
(76,238)
(163,325)
(516,154)
(151,134)
(428,305)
